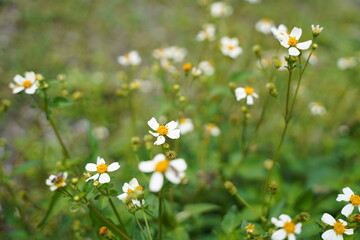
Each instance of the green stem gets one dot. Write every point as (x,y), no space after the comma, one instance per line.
(138,223)
(160,216)
(63,147)
(117,214)
(243,201)
(146,222)
(288,96)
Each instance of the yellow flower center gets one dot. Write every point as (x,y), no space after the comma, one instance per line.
(182,120)
(187,66)
(27,84)
(129,191)
(210,126)
(59,182)
(139,188)
(162,130)
(289,227)
(230,47)
(101,168)
(250,228)
(249,90)
(162,166)
(355,200)
(339,228)
(127,56)
(292,41)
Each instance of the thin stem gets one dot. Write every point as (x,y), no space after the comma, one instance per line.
(288,95)
(138,223)
(117,214)
(63,147)
(146,222)
(160,216)
(243,201)
(243,133)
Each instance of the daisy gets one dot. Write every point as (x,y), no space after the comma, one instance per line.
(173,170)
(316,30)
(132,191)
(212,129)
(346,63)
(196,72)
(28,83)
(101,169)
(185,125)
(230,47)
(317,108)
(206,68)
(207,33)
(280,31)
(287,226)
(246,93)
(291,42)
(220,9)
(264,26)
(130,59)
(169,130)
(338,230)
(349,196)
(57,181)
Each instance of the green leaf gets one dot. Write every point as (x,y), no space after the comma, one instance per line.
(59,102)
(241,76)
(231,220)
(310,229)
(25,166)
(50,211)
(195,209)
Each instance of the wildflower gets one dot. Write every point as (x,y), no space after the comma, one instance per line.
(168,65)
(206,68)
(346,63)
(250,228)
(317,108)
(185,125)
(349,196)
(196,72)
(57,181)
(169,130)
(253,1)
(207,33)
(187,67)
(291,42)
(338,230)
(246,93)
(264,26)
(130,59)
(29,83)
(220,9)
(132,192)
(212,129)
(101,169)
(316,30)
(280,31)
(230,47)
(101,132)
(173,170)
(173,53)
(287,226)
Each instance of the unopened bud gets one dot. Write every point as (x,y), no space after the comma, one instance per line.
(273,187)
(39,77)
(77,95)
(96,183)
(302,217)
(257,50)
(61,77)
(171,155)
(277,63)
(230,187)
(76,198)
(268,164)
(244,109)
(176,87)
(74,180)
(182,99)
(232,86)
(315,46)
(135,141)
(166,146)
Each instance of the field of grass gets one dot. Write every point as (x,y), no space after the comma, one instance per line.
(292,151)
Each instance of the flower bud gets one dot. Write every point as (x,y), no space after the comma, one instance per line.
(315,46)
(96,183)
(273,187)
(232,86)
(74,180)
(277,63)
(176,87)
(182,99)
(302,217)
(171,155)
(257,50)
(316,30)
(268,164)
(230,187)
(135,141)
(187,67)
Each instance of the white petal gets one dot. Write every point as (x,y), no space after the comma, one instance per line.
(179,164)
(329,235)
(91,167)
(328,219)
(94,177)
(48,182)
(240,93)
(153,124)
(255,95)
(154,134)
(65,174)
(173,176)
(134,183)
(249,100)
(343,222)
(174,134)
(113,167)
(18,89)
(160,140)
(304,45)
(53,188)
(298,228)
(30,76)
(31,90)
(156,182)
(147,166)
(104,178)
(296,32)
(343,197)
(285,218)
(348,192)
(291,236)
(277,222)
(122,196)
(171,125)
(347,210)
(159,157)
(126,187)
(100,161)
(349,231)
(279,235)
(293,51)
(19,79)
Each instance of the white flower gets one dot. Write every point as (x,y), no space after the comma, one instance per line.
(291,42)
(196,72)
(207,33)
(352,198)
(28,83)
(264,26)
(57,181)
(173,170)
(207,68)
(253,1)
(101,132)
(287,226)
(101,169)
(130,59)
(169,130)
(230,47)
(316,30)
(339,228)
(175,54)
(131,188)
(280,31)
(185,125)
(317,108)
(346,62)
(246,93)
(168,65)
(220,9)
(138,203)
(212,129)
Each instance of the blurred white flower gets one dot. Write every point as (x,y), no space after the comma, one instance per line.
(288,228)
(101,132)
(212,129)
(230,47)
(316,30)
(207,33)
(168,130)
(132,192)
(29,83)
(173,170)
(175,53)
(313,58)
(291,42)
(220,9)
(349,196)
(101,169)
(196,72)
(185,125)
(207,68)
(338,230)
(253,1)
(317,108)
(130,59)
(247,93)
(279,31)
(264,26)
(57,181)
(346,62)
